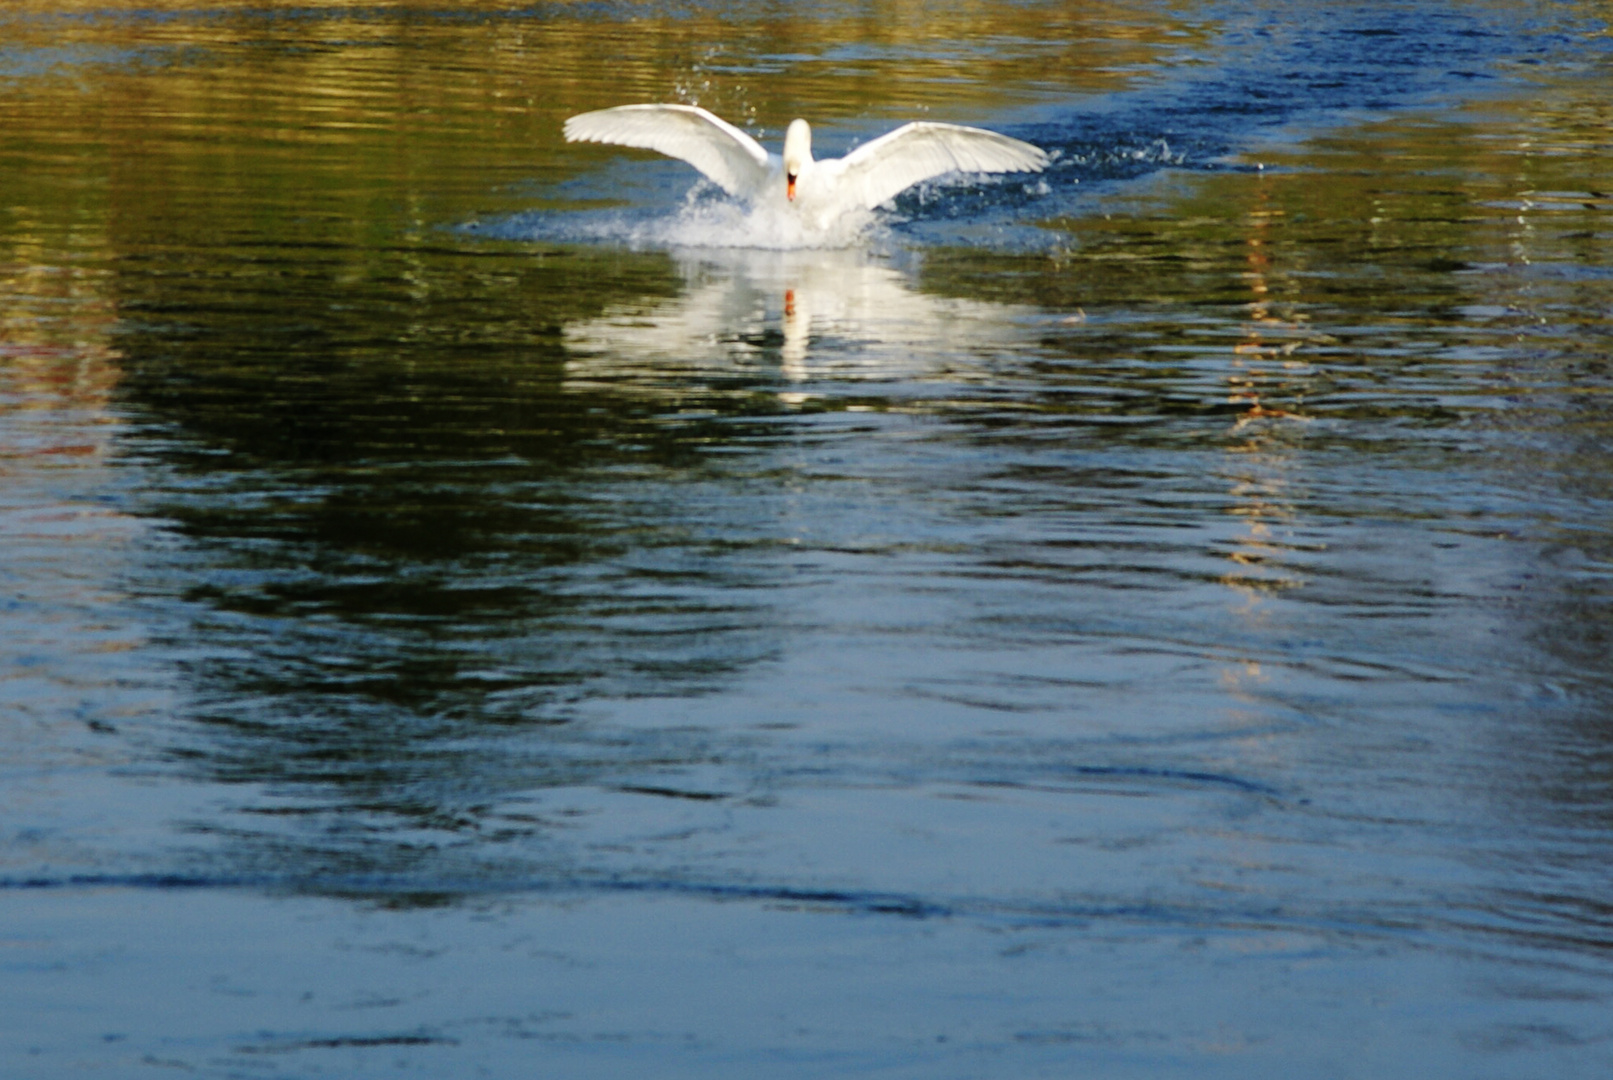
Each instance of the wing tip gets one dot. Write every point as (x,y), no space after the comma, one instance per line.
(575,128)
(590,126)
(1021,156)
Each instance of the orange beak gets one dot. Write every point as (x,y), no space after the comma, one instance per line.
(789,187)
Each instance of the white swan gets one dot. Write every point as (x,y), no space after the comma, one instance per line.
(874,173)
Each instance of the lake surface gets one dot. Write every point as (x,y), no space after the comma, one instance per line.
(470,605)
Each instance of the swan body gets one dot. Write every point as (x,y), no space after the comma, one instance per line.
(873,173)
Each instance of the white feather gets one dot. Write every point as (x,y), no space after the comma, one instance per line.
(870,175)
(878,171)
(731,159)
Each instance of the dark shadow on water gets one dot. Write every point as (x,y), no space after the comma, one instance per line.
(406,539)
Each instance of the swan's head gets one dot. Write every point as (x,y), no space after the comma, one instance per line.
(797,154)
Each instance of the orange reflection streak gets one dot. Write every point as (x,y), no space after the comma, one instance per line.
(1265,336)
(1262,360)
(61,362)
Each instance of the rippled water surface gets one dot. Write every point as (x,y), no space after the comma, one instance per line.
(475,605)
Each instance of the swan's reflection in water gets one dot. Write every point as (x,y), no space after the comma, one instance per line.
(794,317)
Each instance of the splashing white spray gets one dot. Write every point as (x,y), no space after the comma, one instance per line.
(706,219)
(707,222)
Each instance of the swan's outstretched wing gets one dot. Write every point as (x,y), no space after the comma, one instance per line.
(730,158)
(881,170)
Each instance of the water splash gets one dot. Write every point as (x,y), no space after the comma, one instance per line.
(707,218)
(772,226)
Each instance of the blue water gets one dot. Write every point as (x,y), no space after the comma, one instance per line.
(468,611)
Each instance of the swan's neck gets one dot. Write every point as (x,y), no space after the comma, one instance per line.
(798,143)
(797,154)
